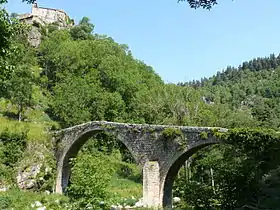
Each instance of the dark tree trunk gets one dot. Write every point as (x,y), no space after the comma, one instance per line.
(20,109)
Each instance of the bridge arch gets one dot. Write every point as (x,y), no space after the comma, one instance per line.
(70,145)
(175,166)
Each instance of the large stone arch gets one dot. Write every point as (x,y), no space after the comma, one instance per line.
(168,180)
(69,141)
(72,152)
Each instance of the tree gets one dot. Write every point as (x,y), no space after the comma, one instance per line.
(14,15)
(270,186)
(6,27)
(205,4)
(72,98)
(20,83)
(82,31)
(16,68)
(5,31)
(20,91)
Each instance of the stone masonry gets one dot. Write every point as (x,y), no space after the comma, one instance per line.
(44,16)
(160,150)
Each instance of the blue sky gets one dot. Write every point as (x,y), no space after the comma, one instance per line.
(181,44)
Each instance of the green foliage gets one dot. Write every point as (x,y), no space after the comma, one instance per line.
(19,150)
(197,194)
(102,79)
(125,178)
(73,109)
(251,89)
(238,169)
(122,189)
(83,31)
(219,135)
(36,132)
(17,76)
(203,135)
(89,181)
(5,202)
(171,133)
(12,147)
(6,30)
(20,90)
(128,171)
(269,188)
(205,4)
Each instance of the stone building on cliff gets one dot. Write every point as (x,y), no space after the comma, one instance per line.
(44,16)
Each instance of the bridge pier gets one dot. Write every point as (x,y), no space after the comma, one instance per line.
(62,177)
(58,183)
(151,185)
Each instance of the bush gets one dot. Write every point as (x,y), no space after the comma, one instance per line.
(195,194)
(5,175)
(12,147)
(5,202)
(90,178)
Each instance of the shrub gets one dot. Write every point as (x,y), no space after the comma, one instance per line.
(5,202)
(171,133)
(91,175)
(12,146)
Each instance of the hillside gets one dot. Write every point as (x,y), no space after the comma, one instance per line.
(76,76)
(253,86)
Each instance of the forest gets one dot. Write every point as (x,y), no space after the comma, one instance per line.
(76,76)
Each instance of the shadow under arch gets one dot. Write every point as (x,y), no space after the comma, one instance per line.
(72,152)
(174,169)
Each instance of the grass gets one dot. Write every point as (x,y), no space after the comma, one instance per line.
(36,122)
(125,188)
(35,132)
(126,181)
(20,200)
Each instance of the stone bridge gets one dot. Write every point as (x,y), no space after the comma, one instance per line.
(160,151)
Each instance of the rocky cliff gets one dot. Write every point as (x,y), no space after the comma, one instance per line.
(41,16)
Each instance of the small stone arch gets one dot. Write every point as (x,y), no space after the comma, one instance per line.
(71,145)
(174,168)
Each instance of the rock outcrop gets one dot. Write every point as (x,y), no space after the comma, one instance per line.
(44,16)
(27,179)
